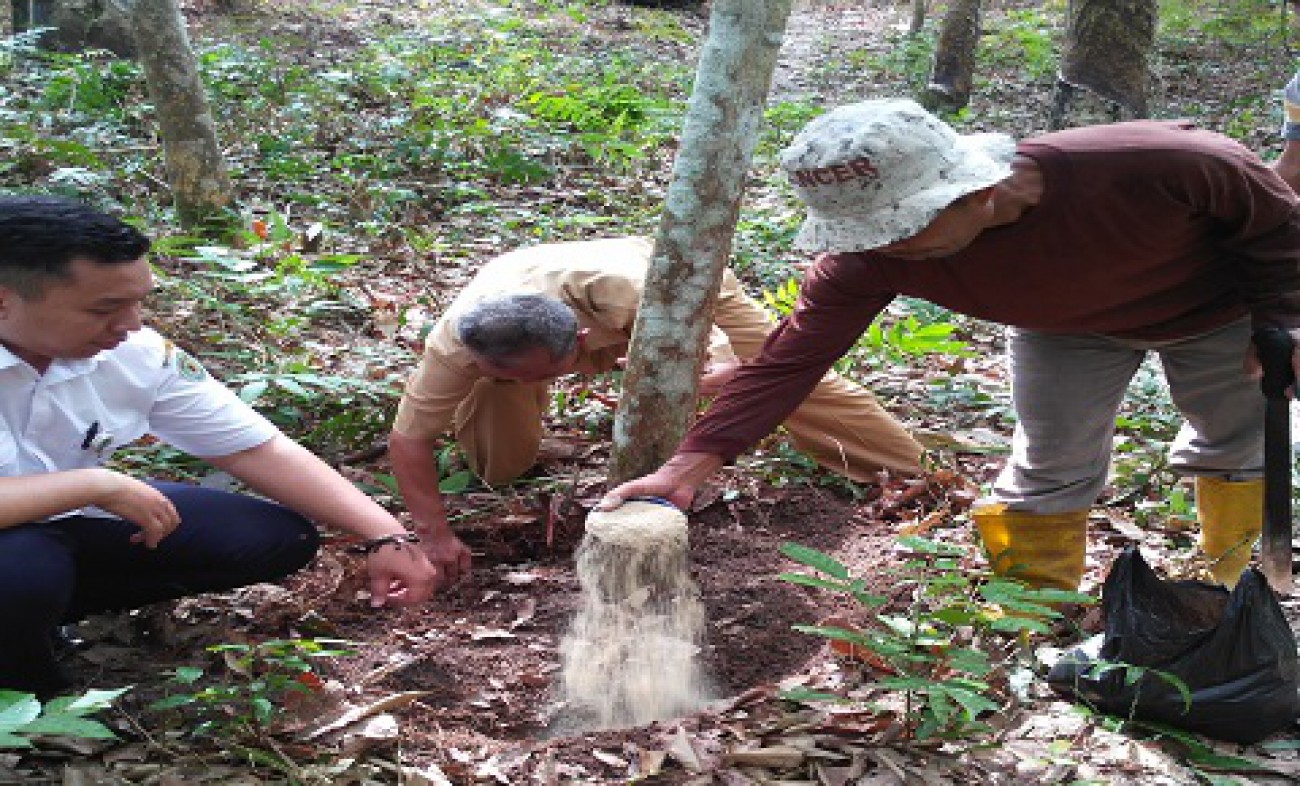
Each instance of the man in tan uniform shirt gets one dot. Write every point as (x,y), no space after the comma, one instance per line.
(495,408)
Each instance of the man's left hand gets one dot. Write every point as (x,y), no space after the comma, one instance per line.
(1255,371)
(400,575)
(448,554)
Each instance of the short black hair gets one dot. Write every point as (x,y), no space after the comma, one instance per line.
(41,235)
(504,328)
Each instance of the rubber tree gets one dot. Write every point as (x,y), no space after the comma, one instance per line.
(1108,46)
(918,18)
(721,127)
(29,14)
(196,170)
(77,25)
(953,71)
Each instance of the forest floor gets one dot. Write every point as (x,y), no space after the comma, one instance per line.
(463,690)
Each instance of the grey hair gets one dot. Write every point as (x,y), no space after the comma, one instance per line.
(502,329)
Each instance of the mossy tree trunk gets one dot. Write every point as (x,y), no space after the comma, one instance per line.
(1108,46)
(721,128)
(196,170)
(953,72)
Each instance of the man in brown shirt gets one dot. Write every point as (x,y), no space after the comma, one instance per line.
(1096,246)
(538,313)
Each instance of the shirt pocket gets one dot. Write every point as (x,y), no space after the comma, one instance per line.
(117,432)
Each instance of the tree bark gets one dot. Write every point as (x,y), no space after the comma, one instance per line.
(1107,47)
(77,25)
(196,170)
(694,241)
(918,18)
(953,73)
(29,14)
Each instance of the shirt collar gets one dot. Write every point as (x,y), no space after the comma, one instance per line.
(60,368)
(7,358)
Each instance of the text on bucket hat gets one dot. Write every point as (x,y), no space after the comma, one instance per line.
(879,171)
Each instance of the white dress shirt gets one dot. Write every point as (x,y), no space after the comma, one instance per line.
(79,412)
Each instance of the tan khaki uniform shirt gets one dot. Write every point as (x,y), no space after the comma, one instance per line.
(601,280)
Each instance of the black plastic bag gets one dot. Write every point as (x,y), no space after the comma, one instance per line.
(1234,653)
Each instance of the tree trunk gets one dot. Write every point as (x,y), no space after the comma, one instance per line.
(196,170)
(1107,46)
(918,18)
(695,233)
(77,25)
(953,73)
(29,14)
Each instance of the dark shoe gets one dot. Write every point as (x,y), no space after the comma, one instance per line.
(66,641)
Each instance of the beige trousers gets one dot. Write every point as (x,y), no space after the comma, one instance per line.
(840,424)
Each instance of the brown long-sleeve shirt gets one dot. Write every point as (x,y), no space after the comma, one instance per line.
(1145,230)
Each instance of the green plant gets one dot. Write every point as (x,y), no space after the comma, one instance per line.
(1025,39)
(906,60)
(1226,22)
(926,649)
(909,338)
(22,717)
(895,340)
(239,701)
(1146,423)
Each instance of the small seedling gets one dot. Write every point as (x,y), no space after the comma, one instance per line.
(239,702)
(925,650)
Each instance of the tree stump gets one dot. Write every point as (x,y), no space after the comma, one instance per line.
(1107,47)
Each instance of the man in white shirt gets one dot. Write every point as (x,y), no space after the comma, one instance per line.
(79,377)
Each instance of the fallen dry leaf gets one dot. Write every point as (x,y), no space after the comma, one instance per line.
(683,750)
(524,614)
(355,713)
(608,758)
(371,733)
(777,757)
(650,763)
(429,775)
(490,634)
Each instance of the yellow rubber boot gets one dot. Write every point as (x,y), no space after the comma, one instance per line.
(1231,513)
(1040,549)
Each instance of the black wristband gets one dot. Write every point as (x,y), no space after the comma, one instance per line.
(398,539)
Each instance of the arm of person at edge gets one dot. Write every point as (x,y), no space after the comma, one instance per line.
(839,299)
(288,473)
(416,468)
(28,498)
(1287,165)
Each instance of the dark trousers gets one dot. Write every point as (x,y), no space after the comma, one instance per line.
(57,572)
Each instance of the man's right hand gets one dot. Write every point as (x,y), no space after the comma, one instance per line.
(446,552)
(138,503)
(676,481)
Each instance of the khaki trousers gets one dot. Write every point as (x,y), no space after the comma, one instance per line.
(840,424)
(1068,388)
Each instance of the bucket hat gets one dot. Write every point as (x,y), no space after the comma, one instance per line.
(879,171)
